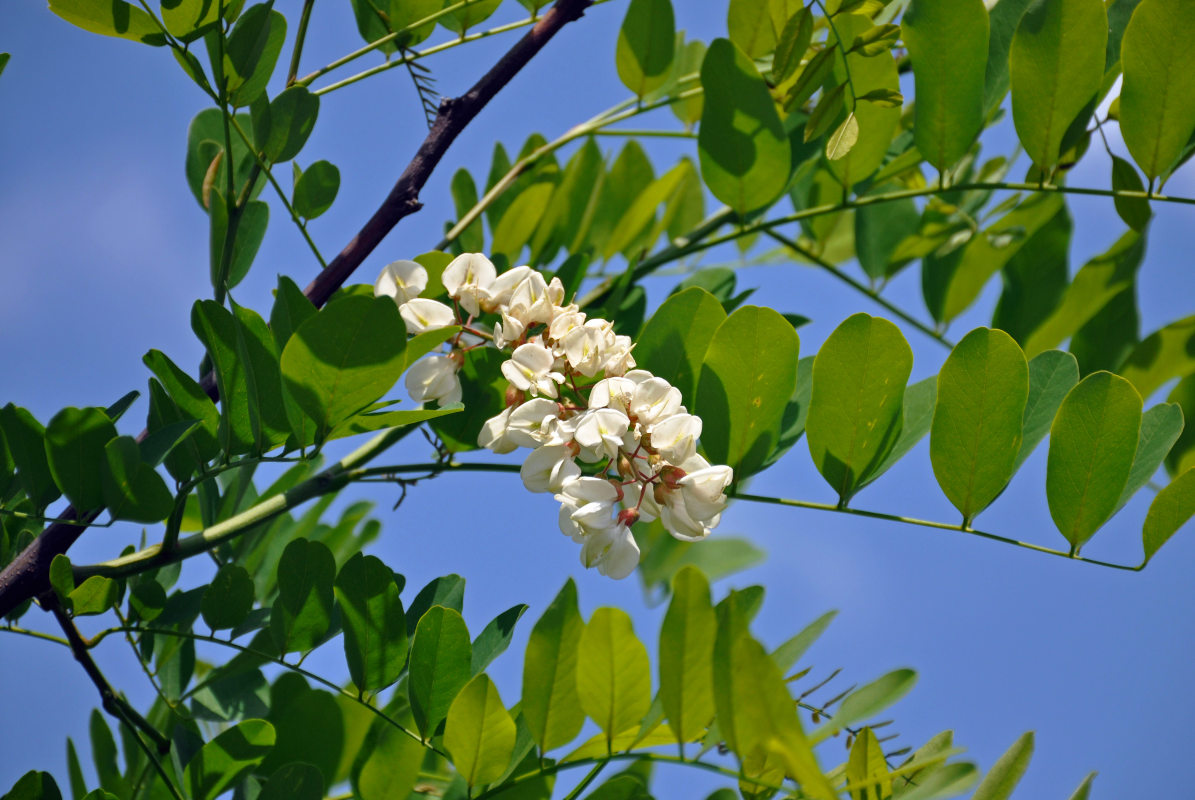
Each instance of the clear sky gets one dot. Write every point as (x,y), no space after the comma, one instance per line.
(103,250)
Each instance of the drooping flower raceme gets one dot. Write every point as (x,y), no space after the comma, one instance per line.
(612,443)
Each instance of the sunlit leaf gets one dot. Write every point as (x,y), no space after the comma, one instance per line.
(674,340)
(75,439)
(479,733)
(1169,511)
(228,758)
(1006,773)
(614,674)
(646,45)
(375,626)
(550,704)
(110,18)
(686,655)
(1166,353)
(866,702)
(441,658)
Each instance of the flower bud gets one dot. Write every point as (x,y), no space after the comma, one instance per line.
(660,492)
(628,516)
(671,476)
(514,396)
(625,468)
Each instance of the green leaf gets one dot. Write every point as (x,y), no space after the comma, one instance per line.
(754,25)
(1006,773)
(441,659)
(879,230)
(224,761)
(843,139)
(520,219)
(375,625)
(1166,353)
(252,51)
(495,637)
(192,401)
(859,379)
(187,19)
(302,613)
(387,765)
(673,342)
(787,654)
(1056,66)
(216,327)
(791,46)
(4,58)
(404,13)
(75,440)
(229,598)
(471,15)
(95,595)
(949,781)
(294,781)
(867,701)
(948,43)
(867,769)
(982,391)
(1095,285)
(447,591)
(646,45)
(115,411)
(1133,210)
(1156,117)
(808,80)
(1160,428)
(917,417)
(637,221)
(614,684)
(877,123)
(748,375)
(686,656)
(744,152)
(316,189)
(110,18)
(292,117)
(464,198)
(258,356)
(1051,375)
(310,729)
(62,578)
(205,143)
(291,309)
(344,358)
(550,704)
(1083,791)
(25,438)
(479,733)
(75,770)
(828,107)
(1092,444)
(1035,279)
(1182,454)
(34,785)
(132,489)
(1173,506)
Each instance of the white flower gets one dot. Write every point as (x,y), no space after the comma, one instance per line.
(682,526)
(564,322)
(434,378)
(468,278)
(600,432)
(493,434)
(503,287)
(612,550)
(654,400)
(402,280)
(527,425)
(422,314)
(508,331)
(530,301)
(611,393)
(585,346)
(587,506)
(548,468)
(675,438)
(704,491)
(530,369)
(618,356)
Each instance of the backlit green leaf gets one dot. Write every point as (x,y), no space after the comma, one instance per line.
(948,43)
(344,358)
(982,391)
(1168,512)
(1160,429)
(292,116)
(1006,773)
(755,25)
(25,437)
(744,152)
(686,655)
(1182,455)
(867,769)
(388,762)
(866,702)
(1156,115)
(859,379)
(224,761)
(1133,210)
(75,440)
(495,637)
(749,372)
(674,340)
(316,189)
(645,45)
(1092,444)
(34,785)
(470,15)
(917,417)
(550,704)
(1056,66)
(1083,790)
(310,729)
(252,51)
(229,598)
(1166,353)
(95,595)
(302,613)
(132,489)
(375,626)
(186,19)
(479,733)
(441,657)
(614,675)
(110,18)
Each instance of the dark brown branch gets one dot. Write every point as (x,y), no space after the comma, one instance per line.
(454,115)
(28,574)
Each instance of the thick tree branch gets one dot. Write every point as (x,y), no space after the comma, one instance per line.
(28,574)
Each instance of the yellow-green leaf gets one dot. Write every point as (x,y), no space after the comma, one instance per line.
(1006,773)
(550,704)
(646,45)
(1169,511)
(686,653)
(614,681)
(1166,353)
(479,733)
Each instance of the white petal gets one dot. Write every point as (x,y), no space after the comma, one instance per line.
(422,314)
(402,280)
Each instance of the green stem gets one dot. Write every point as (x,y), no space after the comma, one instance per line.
(199,637)
(332,479)
(842,46)
(398,62)
(300,37)
(47,637)
(232,212)
(782,501)
(648,134)
(859,287)
(302,226)
(588,779)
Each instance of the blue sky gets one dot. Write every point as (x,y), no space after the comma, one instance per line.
(103,250)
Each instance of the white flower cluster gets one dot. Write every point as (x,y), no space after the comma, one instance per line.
(574,395)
